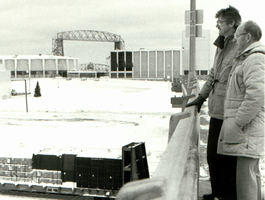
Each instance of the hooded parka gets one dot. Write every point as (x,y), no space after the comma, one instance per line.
(242,132)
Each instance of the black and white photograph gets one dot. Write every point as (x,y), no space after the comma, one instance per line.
(132,100)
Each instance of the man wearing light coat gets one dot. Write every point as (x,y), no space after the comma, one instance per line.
(242,132)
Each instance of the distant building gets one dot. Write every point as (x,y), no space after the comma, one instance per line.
(5,82)
(146,64)
(203,53)
(90,70)
(22,66)
(161,64)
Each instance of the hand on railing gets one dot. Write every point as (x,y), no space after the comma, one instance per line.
(197,102)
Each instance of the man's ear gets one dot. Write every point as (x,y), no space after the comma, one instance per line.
(249,37)
(232,24)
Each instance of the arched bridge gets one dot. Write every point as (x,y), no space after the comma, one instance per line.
(85,35)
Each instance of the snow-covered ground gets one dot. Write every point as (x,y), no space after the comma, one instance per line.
(93,118)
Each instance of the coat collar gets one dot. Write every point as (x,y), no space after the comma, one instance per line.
(254,47)
(221,41)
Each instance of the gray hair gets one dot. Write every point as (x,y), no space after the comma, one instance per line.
(253,29)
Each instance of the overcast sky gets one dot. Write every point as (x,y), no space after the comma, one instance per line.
(28,26)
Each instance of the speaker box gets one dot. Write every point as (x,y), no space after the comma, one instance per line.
(68,162)
(48,162)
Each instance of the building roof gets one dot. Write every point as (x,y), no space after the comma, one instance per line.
(145,49)
(40,56)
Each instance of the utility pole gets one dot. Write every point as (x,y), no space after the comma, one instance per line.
(192,43)
(193,21)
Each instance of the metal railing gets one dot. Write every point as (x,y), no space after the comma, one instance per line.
(177,174)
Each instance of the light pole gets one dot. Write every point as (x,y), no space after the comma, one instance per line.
(192,37)
(28,72)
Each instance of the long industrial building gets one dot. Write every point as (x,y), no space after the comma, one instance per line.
(162,64)
(145,64)
(22,66)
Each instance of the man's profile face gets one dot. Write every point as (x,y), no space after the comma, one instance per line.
(223,26)
(241,38)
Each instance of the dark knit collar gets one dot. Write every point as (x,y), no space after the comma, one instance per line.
(220,41)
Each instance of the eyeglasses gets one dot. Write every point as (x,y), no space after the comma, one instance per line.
(238,36)
(220,21)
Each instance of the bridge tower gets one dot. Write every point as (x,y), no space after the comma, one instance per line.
(118,45)
(85,35)
(57,47)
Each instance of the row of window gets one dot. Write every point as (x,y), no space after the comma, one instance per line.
(37,74)
(198,72)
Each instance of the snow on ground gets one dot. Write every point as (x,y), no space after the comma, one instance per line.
(92,118)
